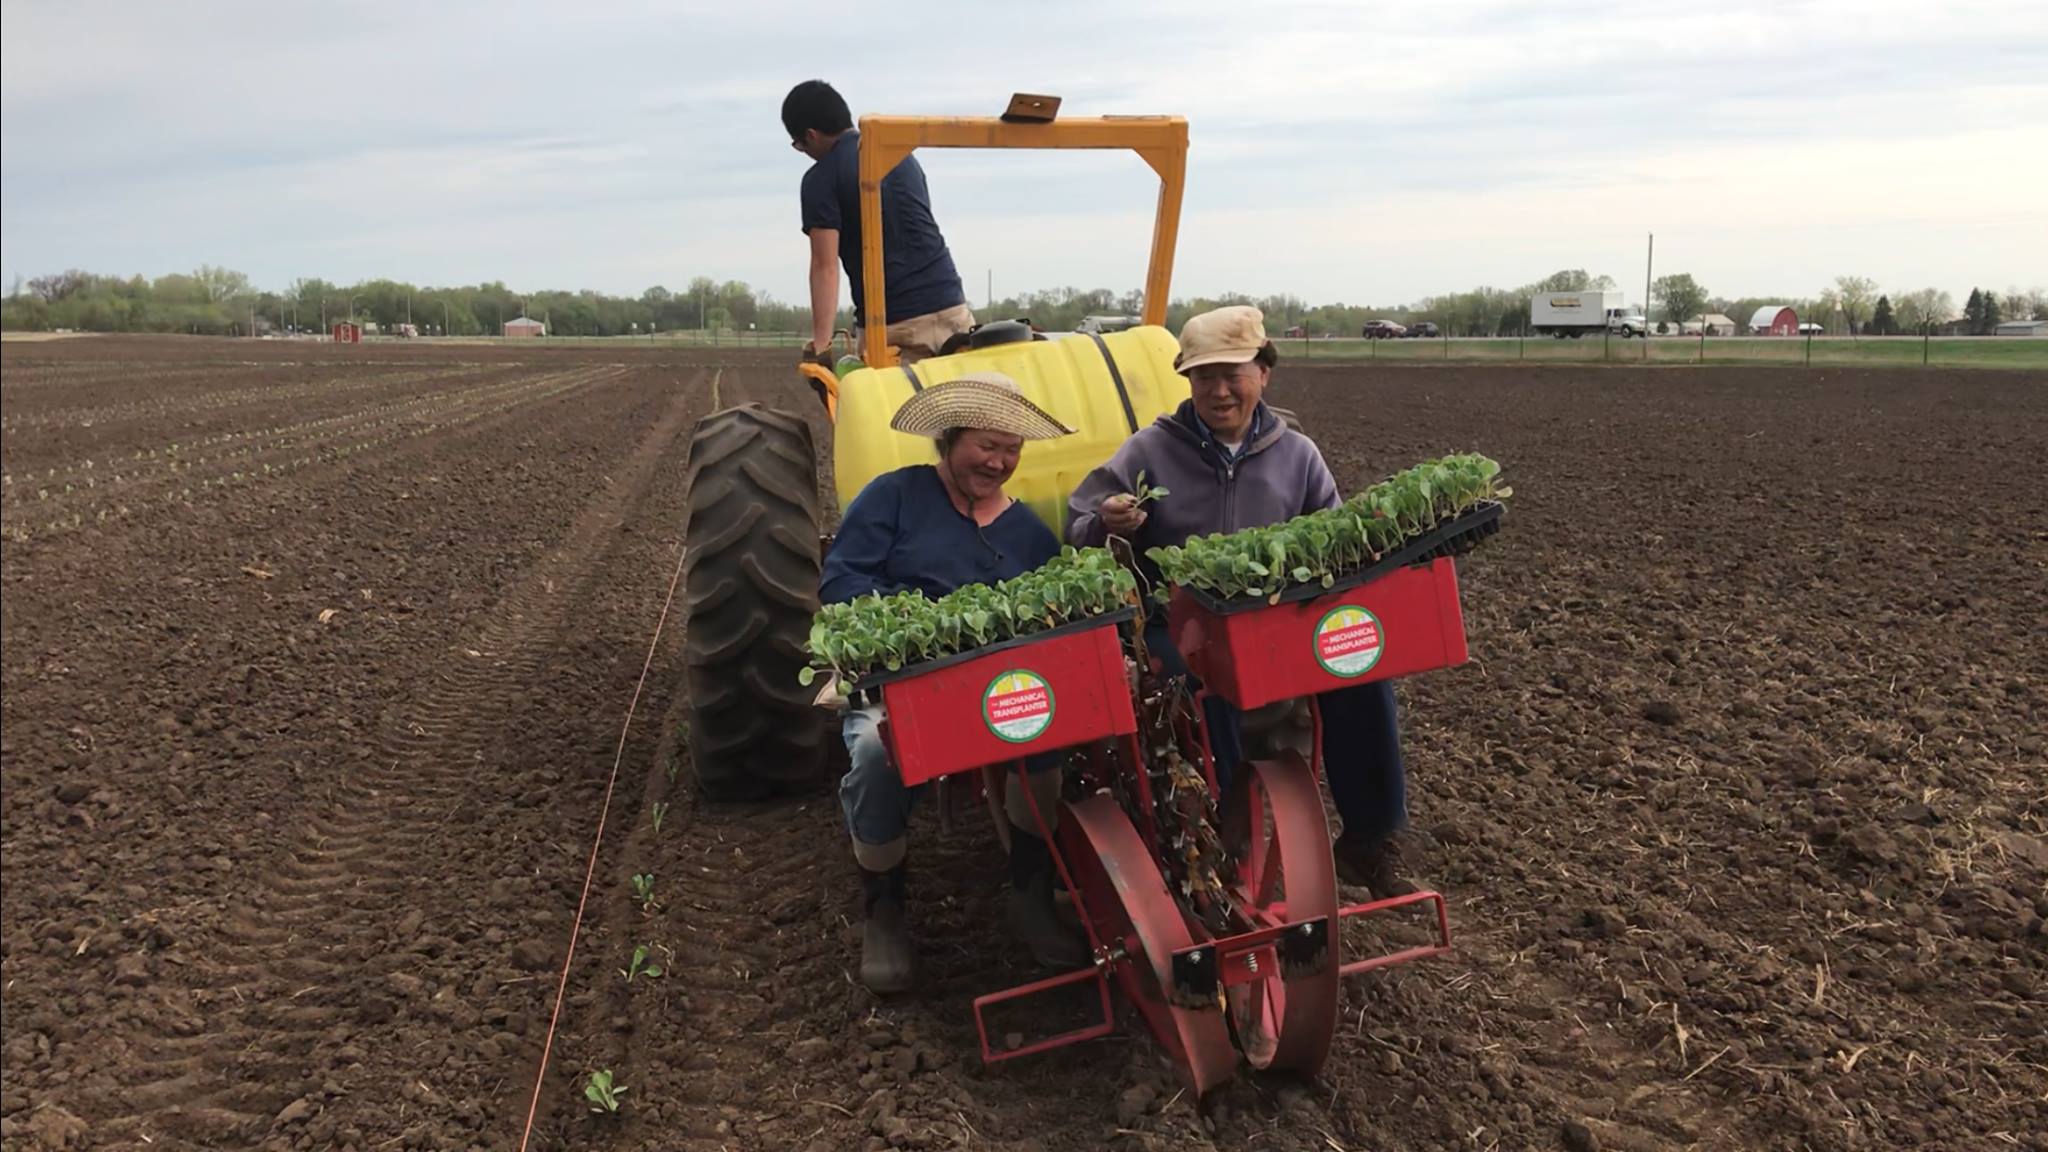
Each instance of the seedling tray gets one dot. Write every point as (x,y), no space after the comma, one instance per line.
(1398,623)
(876,679)
(1010,700)
(1451,538)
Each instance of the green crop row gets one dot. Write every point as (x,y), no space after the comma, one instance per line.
(888,633)
(1322,546)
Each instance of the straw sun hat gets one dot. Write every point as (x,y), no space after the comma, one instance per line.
(988,400)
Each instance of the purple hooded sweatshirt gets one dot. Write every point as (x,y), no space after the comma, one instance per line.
(1277,474)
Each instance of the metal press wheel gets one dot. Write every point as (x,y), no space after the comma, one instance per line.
(1276,832)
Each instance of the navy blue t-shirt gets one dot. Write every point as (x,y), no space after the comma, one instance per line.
(918,272)
(902,531)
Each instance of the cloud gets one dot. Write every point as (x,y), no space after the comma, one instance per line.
(1340,151)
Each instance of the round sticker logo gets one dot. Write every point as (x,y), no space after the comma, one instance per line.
(1017,706)
(1349,641)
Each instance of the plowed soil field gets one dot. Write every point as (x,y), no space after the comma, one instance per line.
(316,659)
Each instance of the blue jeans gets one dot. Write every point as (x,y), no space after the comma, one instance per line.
(872,794)
(1361,745)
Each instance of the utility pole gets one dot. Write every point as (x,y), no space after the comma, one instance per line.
(1649,261)
(990,304)
(444,316)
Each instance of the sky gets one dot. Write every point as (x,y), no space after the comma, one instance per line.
(1346,151)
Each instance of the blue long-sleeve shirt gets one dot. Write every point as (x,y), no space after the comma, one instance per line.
(902,532)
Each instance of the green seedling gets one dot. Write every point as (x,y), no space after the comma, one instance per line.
(876,633)
(660,810)
(641,966)
(1147,495)
(643,890)
(1323,545)
(603,1092)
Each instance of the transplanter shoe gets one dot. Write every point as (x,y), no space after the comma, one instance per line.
(1373,864)
(886,959)
(1031,914)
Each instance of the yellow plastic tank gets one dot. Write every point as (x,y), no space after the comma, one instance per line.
(1070,377)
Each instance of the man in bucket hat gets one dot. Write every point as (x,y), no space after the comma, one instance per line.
(1229,464)
(934,528)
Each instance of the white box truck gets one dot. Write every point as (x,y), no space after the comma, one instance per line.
(1574,314)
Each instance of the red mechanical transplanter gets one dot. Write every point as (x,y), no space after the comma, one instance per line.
(1215,910)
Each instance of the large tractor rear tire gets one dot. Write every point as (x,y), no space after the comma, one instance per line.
(750,589)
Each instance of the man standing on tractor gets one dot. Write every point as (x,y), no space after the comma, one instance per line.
(1230,464)
(935,528)
(925,301)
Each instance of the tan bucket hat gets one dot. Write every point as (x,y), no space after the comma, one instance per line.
(1230,335)
(977,400)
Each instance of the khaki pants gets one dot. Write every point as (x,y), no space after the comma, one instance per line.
(923,336)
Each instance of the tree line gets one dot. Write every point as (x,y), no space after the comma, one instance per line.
(219,301)
(222,302)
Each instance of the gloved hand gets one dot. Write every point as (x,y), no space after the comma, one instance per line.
(812,357)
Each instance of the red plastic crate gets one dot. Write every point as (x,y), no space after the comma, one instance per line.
(1405,622)
(1066,689)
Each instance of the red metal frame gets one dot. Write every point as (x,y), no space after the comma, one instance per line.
(1098,973)
(1371,907)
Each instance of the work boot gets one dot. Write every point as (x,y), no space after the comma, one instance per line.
(1373,864)
(885,954)
(1031,913)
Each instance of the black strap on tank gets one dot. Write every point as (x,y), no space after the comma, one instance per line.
(916,385)
(1117,377)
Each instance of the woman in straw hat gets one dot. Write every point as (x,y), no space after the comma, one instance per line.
(934,528)
(1229,464)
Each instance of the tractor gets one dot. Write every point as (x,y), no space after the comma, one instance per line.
(1211,902)
(753,517)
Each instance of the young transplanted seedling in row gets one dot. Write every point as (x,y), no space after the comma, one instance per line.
(640,966)
(603,1092)
(643,890)
(660,810)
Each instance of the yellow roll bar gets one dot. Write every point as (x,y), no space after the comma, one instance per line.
(885,141)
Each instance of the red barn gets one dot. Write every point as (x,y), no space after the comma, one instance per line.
(1774,320)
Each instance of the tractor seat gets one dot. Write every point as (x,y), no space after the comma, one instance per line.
(991,334)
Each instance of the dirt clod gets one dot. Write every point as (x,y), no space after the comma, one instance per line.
(1135,1102)
(295,1112)
(131,970)
(1605,922)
